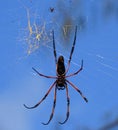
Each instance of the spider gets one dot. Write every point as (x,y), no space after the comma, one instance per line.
(51,9)
(61,81)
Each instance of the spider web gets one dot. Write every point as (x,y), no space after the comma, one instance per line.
(38,32)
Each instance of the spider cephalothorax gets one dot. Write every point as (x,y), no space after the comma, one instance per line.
(61,81)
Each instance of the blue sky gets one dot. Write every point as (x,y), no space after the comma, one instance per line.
(96,44)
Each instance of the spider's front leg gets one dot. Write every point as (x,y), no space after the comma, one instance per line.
(42,98)
(68,105)
(77,90)
(54,104)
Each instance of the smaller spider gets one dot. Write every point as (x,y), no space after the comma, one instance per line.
(61,81)
(51,9)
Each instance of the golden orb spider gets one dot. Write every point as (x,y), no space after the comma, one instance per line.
(60,80)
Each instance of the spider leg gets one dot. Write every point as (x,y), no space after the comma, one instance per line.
(76,71)
(68,106)
(54,77)
(72,50)
(77,90)
(54,104)
(54,49)
(42,98)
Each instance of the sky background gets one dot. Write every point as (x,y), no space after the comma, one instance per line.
(96,44)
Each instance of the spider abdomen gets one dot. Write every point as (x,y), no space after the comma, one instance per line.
(61,66)
(61,69)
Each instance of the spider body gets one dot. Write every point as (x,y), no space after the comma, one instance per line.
(61,81)
(60,73)
(60,66)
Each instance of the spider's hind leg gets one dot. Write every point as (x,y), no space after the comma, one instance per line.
(54,49)
(72,50)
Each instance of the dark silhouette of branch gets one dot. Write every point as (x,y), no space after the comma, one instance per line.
(110,125)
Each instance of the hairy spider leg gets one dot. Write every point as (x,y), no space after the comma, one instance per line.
(54,49)
(76,71)
(42,98)
(53,77)
(68,105)
(77,90)
(53,108)
(72,50)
